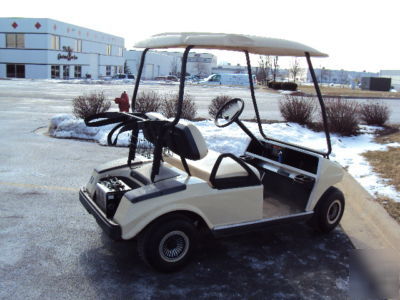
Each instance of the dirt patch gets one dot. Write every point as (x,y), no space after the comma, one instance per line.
(387,164)
(388,135)
(392,207)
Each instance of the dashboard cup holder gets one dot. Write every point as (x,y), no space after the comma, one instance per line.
(304,179)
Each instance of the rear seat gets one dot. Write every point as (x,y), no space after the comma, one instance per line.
(202,168)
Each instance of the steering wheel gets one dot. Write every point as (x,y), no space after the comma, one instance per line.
(229,112)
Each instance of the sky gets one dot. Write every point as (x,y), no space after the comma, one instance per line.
(357,35)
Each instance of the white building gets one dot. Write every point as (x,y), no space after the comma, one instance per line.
(162,63)
(156,64)
(46,48)
(339,76)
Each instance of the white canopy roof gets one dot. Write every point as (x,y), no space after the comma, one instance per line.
(223,41)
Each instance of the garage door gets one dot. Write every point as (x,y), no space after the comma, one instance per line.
(149,71)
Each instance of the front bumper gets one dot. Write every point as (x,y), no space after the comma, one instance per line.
(110,227)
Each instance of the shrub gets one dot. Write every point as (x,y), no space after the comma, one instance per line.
(88,105)
(217,103)
(342,116)
(169,106)
(297,109)
(148,101)
(289,86)
(374,113)
(286,86)
(276,85)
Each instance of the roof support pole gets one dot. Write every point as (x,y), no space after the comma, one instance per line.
(321,103)
(182,85)
(138,77)
(253,96)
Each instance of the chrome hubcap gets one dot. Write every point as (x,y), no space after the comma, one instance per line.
(334,211)
(174,246)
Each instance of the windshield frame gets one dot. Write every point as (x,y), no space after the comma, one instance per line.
(254,101)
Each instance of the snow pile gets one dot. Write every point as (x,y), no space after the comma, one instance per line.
(67,126)
(346,150)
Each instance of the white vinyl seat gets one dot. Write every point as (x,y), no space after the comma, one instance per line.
(202,168)
(187,144)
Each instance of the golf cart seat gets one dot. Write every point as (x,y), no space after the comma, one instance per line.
(221,171)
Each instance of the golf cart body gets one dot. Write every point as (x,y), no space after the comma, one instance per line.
(185,188)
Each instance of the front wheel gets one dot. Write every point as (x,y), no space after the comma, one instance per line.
(329,210)
(168,246)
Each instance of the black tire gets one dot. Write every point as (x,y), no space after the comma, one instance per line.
(329,210)
(168,245)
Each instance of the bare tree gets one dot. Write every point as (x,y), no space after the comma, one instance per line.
(323,75)
(275,68)
(127,70)
(174,66)
(264,68)
(295,69)
(328,75)
(201,68)
(343,78)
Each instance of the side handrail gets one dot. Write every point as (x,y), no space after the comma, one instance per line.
(252,176)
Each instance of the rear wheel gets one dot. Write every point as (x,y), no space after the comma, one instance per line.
(168,245)
(329,210)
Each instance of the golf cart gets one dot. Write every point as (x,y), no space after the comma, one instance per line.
(184,188)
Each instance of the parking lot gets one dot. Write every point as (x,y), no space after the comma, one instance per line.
(50,248)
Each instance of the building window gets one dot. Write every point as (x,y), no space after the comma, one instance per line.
(15,40)
(78,46)
(15,71)
(55,71)
(78,72)
(120,70)
(55,42)
(120,52)
(108,70)
(115,69)
(108,49)
(65,72)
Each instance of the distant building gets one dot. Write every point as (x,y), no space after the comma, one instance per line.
(394,75)
(229,69)
(339,76)
(156,64)
(162,63)
(45,48)
(199,64)
(376,84)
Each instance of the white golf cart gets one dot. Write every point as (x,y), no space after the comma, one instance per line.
(166,200)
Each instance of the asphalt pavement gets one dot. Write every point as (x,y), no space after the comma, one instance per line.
(51,248)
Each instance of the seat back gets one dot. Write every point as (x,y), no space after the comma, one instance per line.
(186,140)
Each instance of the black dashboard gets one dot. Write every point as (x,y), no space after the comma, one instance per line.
(284,155)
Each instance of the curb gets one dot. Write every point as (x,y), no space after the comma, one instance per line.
(365,221)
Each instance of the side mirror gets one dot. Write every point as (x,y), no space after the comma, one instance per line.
(229,112)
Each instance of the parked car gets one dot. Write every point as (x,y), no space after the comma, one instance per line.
(165,201)
(228,79)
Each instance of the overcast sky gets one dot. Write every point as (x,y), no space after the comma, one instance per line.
(357,35)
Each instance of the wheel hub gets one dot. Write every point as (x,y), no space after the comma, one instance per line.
(334,211)
(174,246)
